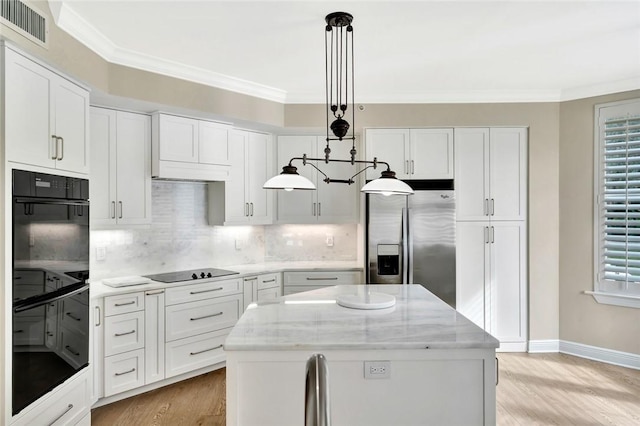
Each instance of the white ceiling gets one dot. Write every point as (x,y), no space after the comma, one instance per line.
(411,51)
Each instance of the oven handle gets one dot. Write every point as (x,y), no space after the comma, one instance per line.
(43,299)
(57,201)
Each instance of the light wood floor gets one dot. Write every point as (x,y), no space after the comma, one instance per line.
(534,389)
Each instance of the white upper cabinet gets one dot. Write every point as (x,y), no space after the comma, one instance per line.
(121,167)
(491,173)
(187,148)
(412,153)
(46,116)
(330,203)
(245,201)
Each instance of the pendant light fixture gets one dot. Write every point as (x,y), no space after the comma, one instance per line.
(339,94)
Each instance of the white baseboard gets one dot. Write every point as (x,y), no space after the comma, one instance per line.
(544,346)
(609,356)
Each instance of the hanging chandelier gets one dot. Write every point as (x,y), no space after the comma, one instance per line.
(339,96)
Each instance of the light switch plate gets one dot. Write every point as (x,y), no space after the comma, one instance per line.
(377,369)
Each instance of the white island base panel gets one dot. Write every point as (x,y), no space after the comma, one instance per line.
(427,386)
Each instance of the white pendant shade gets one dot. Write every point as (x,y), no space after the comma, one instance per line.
(289,182)
(387,186)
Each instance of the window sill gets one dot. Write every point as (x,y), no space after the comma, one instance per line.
(615,299)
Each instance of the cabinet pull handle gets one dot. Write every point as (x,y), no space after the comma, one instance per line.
(314,209)
(251,279)
(486,235)
(493,233)
(406,167)
(497,371)
(413,169)
(319,209)
(61,139)
(206,291)
(251,204)
(73,351)
(54,139)
(205,350)
(484,207)
(73,317)
(120,202)
(125,333)
(18,331)
(246,209)
(493,207)
(113,210)
(153,293)
(125,304)
(206,316)
(125,372)
(321,279)
(99,318)
(269,281)
(69,408)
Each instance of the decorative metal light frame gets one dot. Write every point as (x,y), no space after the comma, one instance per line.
(339,96)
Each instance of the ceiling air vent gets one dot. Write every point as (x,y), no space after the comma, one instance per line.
(25,20)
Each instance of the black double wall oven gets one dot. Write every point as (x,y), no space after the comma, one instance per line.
(50,283)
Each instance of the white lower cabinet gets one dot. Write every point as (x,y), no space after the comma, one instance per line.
(123,372)
(154,329)
(491,279)
(195,352)
(67,405)
(299,281)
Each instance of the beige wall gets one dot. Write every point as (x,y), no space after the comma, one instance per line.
(583,320)
(543,122)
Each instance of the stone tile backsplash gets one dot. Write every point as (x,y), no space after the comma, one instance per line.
(180,238)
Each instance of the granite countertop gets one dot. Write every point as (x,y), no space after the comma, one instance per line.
(98,289)
(312,320)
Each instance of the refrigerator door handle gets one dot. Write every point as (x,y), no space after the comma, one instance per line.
(407,243)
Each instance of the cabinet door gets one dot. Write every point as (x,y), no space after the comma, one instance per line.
(508,174)
(508,281)
(236,204)
(154,336)
(472,173)
(472,271)
(213,143)
(178,139)
(259,166)
(28,100)
(391,146)
(431,154)
(337,202)
(297,206)
(133,168)
(103,166)
(71,115)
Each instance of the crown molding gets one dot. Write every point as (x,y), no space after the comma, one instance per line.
(600,89)
(76,26)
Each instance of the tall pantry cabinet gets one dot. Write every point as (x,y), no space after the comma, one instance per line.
(491,231)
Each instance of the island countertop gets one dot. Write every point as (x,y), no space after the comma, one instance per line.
(313,320)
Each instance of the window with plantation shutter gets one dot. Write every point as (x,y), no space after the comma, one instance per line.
(617,207)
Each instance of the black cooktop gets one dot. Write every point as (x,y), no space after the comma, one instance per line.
(190,275)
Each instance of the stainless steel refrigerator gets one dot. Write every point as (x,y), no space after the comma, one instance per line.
(411,239)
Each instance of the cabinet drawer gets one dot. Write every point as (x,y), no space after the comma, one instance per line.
(268,281)
(123,333)
(74,315)
(123,372)
(195,292)
(322,278)
(268,293)
(189,354)
(28,331)
(66,405)
(291,289)
(190,319)
(74,347)
(121,304)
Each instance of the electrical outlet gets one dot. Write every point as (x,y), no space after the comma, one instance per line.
(101,253)
(377,369)
(329,240)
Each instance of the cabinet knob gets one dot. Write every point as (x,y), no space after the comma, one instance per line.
(194,276)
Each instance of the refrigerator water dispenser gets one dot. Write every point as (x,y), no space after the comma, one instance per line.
(388,259)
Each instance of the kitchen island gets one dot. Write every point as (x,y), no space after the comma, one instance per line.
(425,362)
